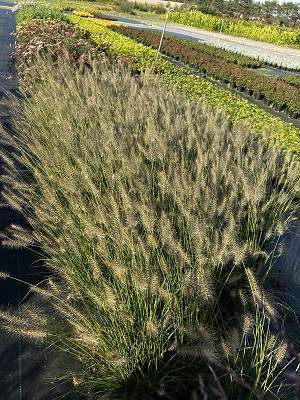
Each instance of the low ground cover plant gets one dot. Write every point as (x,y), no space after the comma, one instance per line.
(154,214)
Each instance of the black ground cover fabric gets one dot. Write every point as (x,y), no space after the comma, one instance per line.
(27,371)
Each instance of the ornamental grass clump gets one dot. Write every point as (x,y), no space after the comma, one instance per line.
(153,214)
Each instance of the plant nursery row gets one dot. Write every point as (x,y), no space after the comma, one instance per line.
(236,27)
(280,62)
(277,91)
(142,58)
(152,38)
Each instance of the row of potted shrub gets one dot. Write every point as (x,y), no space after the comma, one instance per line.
(292,80)
(275,90)
(86,12)
(230,56)
(237,109)
(267,101)
(272,60)
(236,54)
(152,38)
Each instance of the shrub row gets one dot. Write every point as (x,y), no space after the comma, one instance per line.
(52,39)
(266,33)
(292,79)
(142,56)
(152,38)
(82,13)
(90,12)
(281,62)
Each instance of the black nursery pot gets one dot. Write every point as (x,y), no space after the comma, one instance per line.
(248,92)
(267,101)
(258,96)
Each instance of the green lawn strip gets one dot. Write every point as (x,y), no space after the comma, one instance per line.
(238,109)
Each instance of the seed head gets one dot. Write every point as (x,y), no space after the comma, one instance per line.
(281,352)
(4,275)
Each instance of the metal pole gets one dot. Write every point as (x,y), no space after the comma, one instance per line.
(221,30)
(161,39)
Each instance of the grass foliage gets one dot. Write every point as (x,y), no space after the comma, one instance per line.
(153,214)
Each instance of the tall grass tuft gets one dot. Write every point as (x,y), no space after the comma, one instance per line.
(153,212)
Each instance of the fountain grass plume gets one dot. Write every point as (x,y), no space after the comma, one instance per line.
(150,209)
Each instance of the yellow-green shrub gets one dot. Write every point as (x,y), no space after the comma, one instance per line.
(81,13)
(237,27)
